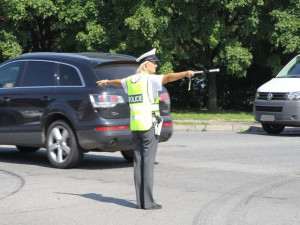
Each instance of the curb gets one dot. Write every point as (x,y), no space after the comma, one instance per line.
(215,126)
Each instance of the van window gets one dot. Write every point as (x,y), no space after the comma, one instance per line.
(68,76)
(9,74)
(39,73)
(294,70)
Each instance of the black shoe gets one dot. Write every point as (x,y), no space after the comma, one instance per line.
(157,206)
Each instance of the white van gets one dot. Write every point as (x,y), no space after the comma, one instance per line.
(277,102)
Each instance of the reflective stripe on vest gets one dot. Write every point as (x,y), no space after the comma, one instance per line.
(153,107)
(141,108)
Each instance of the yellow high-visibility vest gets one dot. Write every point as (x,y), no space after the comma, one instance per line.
(141,108)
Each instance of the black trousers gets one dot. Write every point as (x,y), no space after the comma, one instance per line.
(145,148)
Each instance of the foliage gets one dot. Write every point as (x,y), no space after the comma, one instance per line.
(9,46)
(248,40)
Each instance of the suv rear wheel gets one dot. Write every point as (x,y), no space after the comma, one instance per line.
(62,148)
(128,155)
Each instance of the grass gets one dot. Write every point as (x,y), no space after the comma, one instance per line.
(206,116)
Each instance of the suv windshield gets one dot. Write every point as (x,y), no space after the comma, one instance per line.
(115,71)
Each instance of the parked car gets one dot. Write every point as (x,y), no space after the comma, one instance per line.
(52,101)
(277,102)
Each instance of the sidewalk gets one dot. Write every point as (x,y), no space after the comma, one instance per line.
(215,126)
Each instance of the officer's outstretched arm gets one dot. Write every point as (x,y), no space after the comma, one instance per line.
(176,76)
(103,83)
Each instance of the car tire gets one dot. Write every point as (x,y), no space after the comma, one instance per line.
(25,149)
(273,128)
(128,155)
(63,150)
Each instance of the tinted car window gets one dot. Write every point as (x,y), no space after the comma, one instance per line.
(9,73)
(39,73)
(68,76)
(114,71)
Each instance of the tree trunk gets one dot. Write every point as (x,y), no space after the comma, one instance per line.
(212,93)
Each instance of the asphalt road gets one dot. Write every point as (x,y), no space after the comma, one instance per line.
(201,178)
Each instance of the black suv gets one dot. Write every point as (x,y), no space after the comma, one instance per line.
(52,101)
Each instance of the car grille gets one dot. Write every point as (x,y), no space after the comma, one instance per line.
(276,96)
(269,108)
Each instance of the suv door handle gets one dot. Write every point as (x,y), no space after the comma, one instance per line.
(6,99)
(46,99)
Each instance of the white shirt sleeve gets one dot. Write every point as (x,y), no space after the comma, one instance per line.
(124,85)
(156,82)
(155,85)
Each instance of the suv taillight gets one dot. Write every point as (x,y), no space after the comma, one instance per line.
(106,101)
(164,96)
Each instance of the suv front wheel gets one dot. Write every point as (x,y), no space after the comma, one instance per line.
(62,148)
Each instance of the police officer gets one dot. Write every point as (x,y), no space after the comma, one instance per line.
(142,89)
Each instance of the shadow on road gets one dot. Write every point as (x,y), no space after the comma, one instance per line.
(39,158)
(288,132)
(101,198)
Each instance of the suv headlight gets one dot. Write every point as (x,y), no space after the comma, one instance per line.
(256,95)
(293,95)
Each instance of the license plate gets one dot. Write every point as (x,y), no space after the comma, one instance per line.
(267,117)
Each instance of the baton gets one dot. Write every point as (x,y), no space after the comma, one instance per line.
(203,71)
(207,71)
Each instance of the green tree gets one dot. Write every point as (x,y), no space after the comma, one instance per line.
(283,32)
(9,44)
(194,34)
(53,25)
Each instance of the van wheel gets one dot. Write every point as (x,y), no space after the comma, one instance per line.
(27,149)
(273,128)
(62,148)
(128,155)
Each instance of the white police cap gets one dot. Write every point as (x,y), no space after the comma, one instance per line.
(148,56)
